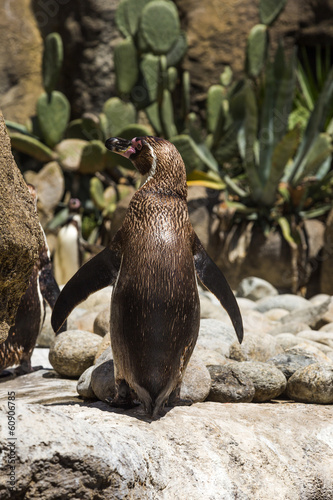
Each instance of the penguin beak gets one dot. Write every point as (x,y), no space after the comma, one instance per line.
(123,147)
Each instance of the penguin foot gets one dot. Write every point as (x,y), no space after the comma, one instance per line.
(7,373)
(125,404)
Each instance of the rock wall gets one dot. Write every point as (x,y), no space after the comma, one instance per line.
(217,34)
(20,234)
(20,60)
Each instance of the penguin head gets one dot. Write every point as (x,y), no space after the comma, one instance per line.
(156,158)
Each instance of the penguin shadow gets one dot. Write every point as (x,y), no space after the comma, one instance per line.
(138,412)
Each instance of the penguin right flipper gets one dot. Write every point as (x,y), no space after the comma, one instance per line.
(99,272)
(213,278)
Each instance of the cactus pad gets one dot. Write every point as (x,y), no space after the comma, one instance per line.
(52,61)
(53,111)
(160,25)
(118,114)
(126,65)
(32,147)
(128,16)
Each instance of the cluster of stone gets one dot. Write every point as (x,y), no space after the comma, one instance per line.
(287,350)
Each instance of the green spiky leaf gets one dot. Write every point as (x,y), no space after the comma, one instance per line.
(256,50)
(119,114)
(269,10)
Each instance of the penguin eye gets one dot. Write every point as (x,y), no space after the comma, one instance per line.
(139,146)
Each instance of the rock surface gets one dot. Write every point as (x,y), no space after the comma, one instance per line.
(204,451)
(312,384)
(21,236)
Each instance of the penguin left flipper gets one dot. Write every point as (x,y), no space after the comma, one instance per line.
(211,276)
(99,272)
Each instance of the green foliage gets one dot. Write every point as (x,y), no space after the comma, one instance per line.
(269,10)
(119,114)
(159,25)
(256,50)
(126,65)
(53,111)
(32,147)
(52,61)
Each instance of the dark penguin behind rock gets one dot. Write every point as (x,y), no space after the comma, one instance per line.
(152,262)
(19,345)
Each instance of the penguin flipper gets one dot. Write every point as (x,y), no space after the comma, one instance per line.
(99,272)
(211,276)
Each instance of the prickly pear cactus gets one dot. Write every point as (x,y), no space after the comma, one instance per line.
(126,65)
(53,111)
(52,61)
(128,16)
(119,114)
(32,147)
(92,157)
(160,25)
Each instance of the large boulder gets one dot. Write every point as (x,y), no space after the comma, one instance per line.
(20,232)
(208,450)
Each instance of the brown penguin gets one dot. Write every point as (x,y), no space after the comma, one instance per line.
(22,336)
(152,262)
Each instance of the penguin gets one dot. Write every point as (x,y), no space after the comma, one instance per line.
(153,262)
(68,254)
(22,336)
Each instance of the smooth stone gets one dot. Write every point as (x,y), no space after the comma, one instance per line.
(84,387)
(268,381)
(312,350)
(293,328)
(103,381)
(257,322)
(106,342)
(229,385)
(196,382)
(255,288)
(287,340)
(106,355)
(86,321)
(245,304)
(286,301)
(210,310)
(210,357)
(275,314)
(289,363)
(319,298)
(216,336)
(98,301)
(317,336)
(256,347)
(73,351)
(102,323)
(323,348)
(327,328)
(310,314)
(312,384)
